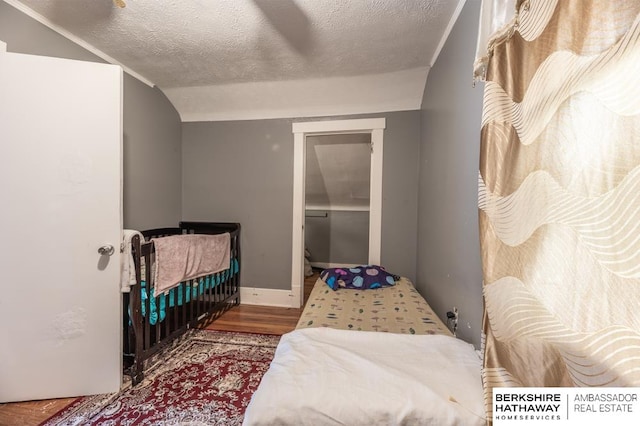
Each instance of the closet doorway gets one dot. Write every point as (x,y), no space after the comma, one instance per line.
(343,199)
(337,192)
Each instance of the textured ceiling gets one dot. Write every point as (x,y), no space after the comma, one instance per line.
(207,44)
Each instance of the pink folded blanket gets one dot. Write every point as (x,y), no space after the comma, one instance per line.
(184,257)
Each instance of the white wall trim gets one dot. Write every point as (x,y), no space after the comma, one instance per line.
(325,265)
(265,297)
(375,196)
(337,208)
(374,126)
(297,255)
(362,125)
(447,31)
(77,40)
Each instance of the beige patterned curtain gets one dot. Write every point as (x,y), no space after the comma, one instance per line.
(559,197)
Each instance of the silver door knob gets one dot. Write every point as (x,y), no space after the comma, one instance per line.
(107,250)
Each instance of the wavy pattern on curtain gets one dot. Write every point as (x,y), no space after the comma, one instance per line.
(559,198)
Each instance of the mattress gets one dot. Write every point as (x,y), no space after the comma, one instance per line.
(396,309)
(325,376)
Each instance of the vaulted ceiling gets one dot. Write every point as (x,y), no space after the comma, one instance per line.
(244,59)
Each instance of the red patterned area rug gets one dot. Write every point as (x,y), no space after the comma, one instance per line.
(207,379)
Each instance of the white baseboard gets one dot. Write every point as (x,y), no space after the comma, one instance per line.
(324,265)
(266,297)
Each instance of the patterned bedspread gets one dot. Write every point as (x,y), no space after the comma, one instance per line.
(396,309)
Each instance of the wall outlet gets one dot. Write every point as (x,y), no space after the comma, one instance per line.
(452,320)
(455,317)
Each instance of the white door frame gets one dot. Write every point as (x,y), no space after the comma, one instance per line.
(374,126)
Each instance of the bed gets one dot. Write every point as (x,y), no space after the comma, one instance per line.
(363,357)
(153,321)
(396,309)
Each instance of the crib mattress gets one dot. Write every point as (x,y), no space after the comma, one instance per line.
(396,309)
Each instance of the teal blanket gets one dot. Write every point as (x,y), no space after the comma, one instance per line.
(158,305)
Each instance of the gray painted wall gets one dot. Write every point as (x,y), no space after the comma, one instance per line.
(151,126)
(340,237)
(449,266)
(152,158)
(243,171)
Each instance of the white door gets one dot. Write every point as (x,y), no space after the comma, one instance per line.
(60,195)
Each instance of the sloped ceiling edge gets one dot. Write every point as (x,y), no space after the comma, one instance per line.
(396,91)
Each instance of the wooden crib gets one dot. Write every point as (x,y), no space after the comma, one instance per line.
(151,323)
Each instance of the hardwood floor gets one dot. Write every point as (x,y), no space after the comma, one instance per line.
(263,319)
(31,412)
(246,318)
(257,319)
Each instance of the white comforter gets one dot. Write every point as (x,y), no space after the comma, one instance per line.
(324,376)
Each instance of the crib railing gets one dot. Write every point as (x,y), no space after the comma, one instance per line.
(152,322)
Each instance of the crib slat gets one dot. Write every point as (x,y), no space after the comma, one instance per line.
(158,327)
(199,309)
(206,294)
(200,296)
(223,289)
(187,314)
(178,295)
(184,287)
(166,324)
(149,259)
(218,287)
